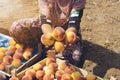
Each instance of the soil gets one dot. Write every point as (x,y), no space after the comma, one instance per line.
(100,31)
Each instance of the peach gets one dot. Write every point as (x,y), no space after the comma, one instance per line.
(19,46)
(53,66)
(38,66)
(58,33)
(17,56)
(27,55)
(49,70)
(76,75)
(9,52)
(70,37)
(59,74)
(90,77)
(3,49)
(1,55)
(2,66)
(31,72)
(27,77)
(59,46)
(40,74)
(12,42)
(82,78)
(19,51)
(16,63)
(29,49)
(69,69)
(48,77)
(47,39)
(62,65)
(7,59)
(49,60)
(14,78)
(12,48)
(66,76)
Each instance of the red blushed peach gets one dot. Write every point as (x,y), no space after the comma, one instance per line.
(53,66)
(27,55)
(17,56)
(14,78)
(7,59)
(59,74)
(38,66)
(66,76)
(58,33)
(9,53)
(27,77)
(76,75)
(40,74)
(19,51)
(69,69)
(31,72)
(2,66)
(70,37)
(16,63)
(48,77)
(50,60)
(62,65)
(59,46)
(47,39)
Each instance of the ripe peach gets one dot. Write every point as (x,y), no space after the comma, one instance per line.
(49,60)
(59,46)
(47,39)
(19,46)
(66,76)
(1,55)
(59,74)
(76,75)
(19,51)
(3,49)
(71,37)
(58,33)
(48,77)
(31,72)
(90,77)
(69,69)
(16,63)
(53,66)
(9,52)
(27,77)
(40,74)
(49,70)
(27,55)
(38,66)
(17,56)
(2,66)
(12,48)
(14,78)
(7,59)
(62,65)
(12,42)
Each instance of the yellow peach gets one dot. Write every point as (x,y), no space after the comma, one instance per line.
(59,46)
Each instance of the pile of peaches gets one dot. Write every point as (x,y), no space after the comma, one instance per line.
(52,70)
(58,39)
(14,55)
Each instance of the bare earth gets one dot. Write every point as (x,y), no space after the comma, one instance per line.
(100,30)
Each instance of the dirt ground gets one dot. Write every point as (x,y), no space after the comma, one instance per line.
(100,31)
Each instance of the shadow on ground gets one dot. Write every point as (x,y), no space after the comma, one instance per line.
(104,58)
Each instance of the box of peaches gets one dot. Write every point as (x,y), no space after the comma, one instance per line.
(14,55)
(52,68)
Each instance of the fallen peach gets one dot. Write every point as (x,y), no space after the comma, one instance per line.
(58,33)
